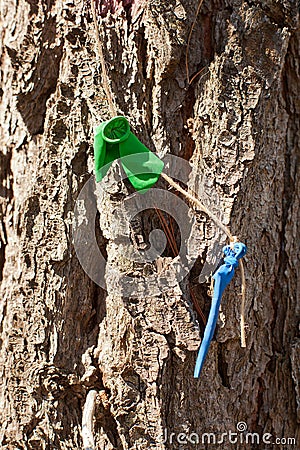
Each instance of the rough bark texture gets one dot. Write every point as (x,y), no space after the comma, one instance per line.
(238,124)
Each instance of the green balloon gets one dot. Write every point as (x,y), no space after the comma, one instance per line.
(113,140)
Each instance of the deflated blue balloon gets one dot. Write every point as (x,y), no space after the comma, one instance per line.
(222,278)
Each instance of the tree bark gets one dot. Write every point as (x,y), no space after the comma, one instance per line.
(237,124)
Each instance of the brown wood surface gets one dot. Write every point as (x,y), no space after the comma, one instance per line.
(61,335)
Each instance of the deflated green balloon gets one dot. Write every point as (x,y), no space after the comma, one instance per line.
(113,140)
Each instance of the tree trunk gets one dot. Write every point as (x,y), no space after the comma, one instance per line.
(66,329)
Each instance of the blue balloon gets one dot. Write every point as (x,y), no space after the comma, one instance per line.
(222,278)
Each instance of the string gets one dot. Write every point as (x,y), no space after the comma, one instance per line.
(106,86)
(232,239)
(243,303)
(188,47)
